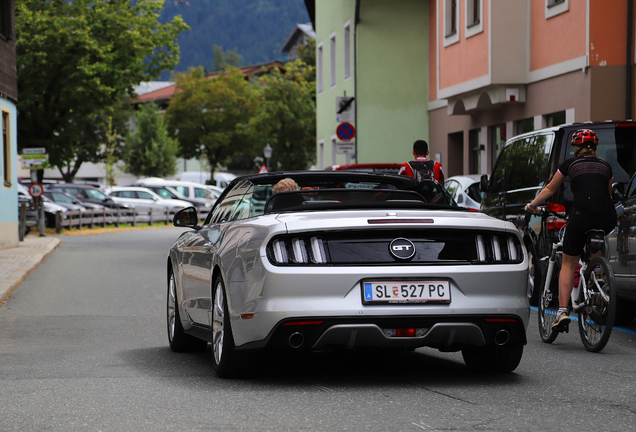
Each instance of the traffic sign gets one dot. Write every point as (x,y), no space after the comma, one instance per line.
(346,148)
(346,132)
(263,169)
(36,190)
(345,109)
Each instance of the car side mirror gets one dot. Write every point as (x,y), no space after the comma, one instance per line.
(186,217)
(483,183)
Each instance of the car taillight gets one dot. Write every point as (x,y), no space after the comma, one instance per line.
(498,249)
(553,222)
(297,250)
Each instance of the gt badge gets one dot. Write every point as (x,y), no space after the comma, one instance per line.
(402,248)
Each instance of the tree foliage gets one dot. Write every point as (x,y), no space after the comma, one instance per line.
(77,62)
(206,114)
(149,151)
(286,116)
(221,60)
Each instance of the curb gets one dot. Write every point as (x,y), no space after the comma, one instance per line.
(20,261)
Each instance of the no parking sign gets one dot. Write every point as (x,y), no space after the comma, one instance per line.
(345,132)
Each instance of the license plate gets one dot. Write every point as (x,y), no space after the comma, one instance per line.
(406,292)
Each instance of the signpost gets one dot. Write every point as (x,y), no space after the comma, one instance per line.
(36,159)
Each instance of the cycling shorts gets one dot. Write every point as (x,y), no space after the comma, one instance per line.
(580,222)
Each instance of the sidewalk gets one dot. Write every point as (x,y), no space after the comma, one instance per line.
(16,263)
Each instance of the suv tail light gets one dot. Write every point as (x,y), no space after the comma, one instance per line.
(552,222)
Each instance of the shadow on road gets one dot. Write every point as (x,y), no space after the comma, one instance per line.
(367,368)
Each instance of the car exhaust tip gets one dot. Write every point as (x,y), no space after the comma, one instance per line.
(502,337)
(296,340)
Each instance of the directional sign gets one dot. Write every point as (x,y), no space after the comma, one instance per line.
(36,190)
(346,132)
(34,150)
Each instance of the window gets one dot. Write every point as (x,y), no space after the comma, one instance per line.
(231,201)
(319,68)
(556,7)
(145,195)
(524,126)
(474,141)
(474,13)
(497,140)
(5,19)
(334,155)
(332,59)
(6,149)
(555,119)
(347,51)
(451,18)
(527,161)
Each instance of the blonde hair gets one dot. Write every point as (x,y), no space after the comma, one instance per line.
(285,185)
(585,151)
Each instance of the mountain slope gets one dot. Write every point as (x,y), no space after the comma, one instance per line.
(256,28)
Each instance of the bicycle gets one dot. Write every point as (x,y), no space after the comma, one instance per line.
(594,299)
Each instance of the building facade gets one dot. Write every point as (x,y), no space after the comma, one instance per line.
(498,68)
(8,127)
(376,51)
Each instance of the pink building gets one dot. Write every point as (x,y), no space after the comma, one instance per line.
(498,68)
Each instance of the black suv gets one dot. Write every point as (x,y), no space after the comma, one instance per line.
(527,163)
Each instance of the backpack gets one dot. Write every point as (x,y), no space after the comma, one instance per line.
(423,170)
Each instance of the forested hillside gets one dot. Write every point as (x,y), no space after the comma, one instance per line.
(256,28)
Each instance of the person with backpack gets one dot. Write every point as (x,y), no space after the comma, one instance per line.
(422,168)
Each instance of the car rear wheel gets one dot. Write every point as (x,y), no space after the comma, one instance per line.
(179,340)
(227,361)
(493,359)
(533,277)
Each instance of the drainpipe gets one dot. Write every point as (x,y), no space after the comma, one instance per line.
(629,61)
(355,74)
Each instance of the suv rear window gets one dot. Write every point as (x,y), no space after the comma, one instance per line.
(616,146)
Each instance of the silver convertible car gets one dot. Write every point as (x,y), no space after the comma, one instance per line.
(350,260)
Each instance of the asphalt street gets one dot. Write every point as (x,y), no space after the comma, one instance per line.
(83,346)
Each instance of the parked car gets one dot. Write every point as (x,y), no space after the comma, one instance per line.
(192,191)
(50,208)
(221,179)
(70,202)
(526,164)
(352,260)
(203,206)
(87,193)
(465,190)
(144,199)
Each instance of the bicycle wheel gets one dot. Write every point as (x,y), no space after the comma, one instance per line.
(549,303)
(596,318)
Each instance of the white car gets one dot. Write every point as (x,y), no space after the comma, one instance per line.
(142,198)
(221,179)
(465,190)
(190,190)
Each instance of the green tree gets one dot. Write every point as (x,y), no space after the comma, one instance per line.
(206,114)
(221,60)
(77,63)
(286,116)
(149,151)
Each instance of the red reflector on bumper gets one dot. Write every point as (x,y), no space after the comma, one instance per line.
(303,323)
(405,332)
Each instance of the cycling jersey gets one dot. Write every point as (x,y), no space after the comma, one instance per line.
(593,207)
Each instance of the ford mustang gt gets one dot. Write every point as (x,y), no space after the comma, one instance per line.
(349,260)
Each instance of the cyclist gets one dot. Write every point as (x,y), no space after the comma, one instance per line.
(591,182)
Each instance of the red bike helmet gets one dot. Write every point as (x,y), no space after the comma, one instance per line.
(585,137)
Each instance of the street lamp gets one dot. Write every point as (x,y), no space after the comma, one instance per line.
(267,152)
